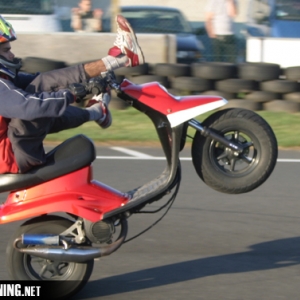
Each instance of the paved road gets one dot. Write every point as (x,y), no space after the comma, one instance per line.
(209,246)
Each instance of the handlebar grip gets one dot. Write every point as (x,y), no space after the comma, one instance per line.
(97,85)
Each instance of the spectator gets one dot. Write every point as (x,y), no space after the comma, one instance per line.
(219,25)
(85,19)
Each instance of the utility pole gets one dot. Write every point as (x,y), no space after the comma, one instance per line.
(115,9)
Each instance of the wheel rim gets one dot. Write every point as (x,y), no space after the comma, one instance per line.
(230,162)
(44,269)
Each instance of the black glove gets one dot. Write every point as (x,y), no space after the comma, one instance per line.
(97,86)
(79,90)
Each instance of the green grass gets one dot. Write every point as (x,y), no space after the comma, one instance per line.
(131,126)
(286,127)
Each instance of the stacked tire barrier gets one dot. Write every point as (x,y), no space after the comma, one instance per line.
(256,86)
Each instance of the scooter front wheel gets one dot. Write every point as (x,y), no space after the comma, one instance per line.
(70,277)
(226,170)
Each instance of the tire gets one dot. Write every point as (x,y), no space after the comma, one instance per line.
(134,71)
(192,84)
(242,103)
(294,97)
(219,168)
(280,86)
(282,105)
(214,70)
(72,276)
(172,70)
(225,95)
(259,71)
(37,64)
(163,80)
(236,85)
(174,92)
(292,73)
(262,96)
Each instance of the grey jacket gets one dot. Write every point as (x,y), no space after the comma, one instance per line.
(36,96)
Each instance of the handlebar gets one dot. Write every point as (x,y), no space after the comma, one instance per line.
(110,79)
(97,85)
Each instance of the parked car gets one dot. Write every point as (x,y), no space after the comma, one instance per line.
(274,18)
(273,32)
(162,19)
(36,16)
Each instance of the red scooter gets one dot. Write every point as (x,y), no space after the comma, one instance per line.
(74,219)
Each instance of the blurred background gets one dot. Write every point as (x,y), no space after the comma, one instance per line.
(262,65)
(256,20)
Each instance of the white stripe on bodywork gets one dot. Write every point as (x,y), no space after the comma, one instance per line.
(180,117)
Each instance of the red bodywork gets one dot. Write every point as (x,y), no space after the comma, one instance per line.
(155,96)
(73,193)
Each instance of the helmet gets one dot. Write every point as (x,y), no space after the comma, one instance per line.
(7,34)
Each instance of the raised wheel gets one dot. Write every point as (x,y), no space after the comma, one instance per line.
(226,170)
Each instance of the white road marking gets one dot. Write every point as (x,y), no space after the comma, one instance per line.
(181,158)
(132,157)
(136,155)
(131,152)
(288,160)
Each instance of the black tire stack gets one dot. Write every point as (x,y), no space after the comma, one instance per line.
(259,73)
(37,64)
(272,86)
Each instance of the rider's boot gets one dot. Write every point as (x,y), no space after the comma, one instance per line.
(98,106)
(125,52)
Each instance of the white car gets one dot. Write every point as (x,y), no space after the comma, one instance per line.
(39,16)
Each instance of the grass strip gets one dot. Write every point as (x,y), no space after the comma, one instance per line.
(131,126)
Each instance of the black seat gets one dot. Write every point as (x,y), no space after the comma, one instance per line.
(71,155)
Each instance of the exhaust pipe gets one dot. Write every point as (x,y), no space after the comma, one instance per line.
(74,254)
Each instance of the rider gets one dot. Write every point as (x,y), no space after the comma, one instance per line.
(34,105)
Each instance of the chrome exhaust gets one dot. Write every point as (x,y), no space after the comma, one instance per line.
(74,254)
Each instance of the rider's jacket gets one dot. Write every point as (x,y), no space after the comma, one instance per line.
(22,98)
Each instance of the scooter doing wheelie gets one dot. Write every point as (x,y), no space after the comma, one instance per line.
(71,219)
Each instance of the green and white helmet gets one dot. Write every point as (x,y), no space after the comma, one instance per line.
(7,34)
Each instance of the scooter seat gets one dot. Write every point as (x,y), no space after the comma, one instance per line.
(71,155)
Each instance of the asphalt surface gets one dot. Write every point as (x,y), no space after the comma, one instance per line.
(209,246)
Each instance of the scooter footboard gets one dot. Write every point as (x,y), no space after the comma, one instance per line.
(150,192)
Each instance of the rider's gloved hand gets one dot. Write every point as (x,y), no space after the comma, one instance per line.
(96,86)
(79,90)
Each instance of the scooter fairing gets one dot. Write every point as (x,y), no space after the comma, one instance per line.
(178,109)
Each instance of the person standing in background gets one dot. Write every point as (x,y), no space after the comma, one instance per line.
(219,26)
(85,19)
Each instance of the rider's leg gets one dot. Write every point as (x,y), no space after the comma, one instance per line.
(27,136)
(125,52)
